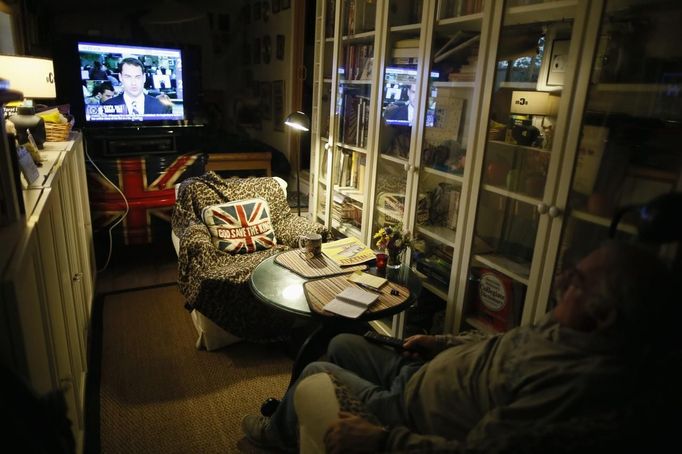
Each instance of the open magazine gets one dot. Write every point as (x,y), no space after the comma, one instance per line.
(347,251)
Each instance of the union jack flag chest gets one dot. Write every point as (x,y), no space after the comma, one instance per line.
(240,227)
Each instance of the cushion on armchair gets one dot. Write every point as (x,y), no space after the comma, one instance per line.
(241,226)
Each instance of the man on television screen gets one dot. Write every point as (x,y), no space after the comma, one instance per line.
(101,93)
(133,100)
(402,110)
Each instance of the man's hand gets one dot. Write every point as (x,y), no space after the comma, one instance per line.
(422,346)
(351,433)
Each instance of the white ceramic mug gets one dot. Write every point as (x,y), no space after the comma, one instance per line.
(312,243)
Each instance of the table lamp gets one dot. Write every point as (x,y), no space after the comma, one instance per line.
(34,77)
(531,103)
(299,122)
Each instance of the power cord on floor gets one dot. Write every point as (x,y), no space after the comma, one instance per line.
(120,219)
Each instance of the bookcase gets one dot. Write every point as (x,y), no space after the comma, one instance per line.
(503,134)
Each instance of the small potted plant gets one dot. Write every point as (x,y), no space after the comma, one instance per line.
(394,240)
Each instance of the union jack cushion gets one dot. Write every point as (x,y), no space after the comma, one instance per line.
(241,226)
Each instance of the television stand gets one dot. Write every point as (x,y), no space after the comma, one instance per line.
(121,141)
(257,160)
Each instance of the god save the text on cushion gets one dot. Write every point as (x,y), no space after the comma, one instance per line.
(242,232)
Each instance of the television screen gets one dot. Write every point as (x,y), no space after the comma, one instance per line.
(400,84)
(123,83)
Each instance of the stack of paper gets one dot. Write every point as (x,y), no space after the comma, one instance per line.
(351,302)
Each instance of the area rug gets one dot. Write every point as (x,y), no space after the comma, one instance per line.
(159,394)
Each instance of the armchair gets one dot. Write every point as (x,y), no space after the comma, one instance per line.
(214,283)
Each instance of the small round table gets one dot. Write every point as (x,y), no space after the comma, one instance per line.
(282,289)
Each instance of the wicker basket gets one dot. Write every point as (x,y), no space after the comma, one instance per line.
(57,132)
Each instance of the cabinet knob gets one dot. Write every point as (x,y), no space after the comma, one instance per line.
(77,277)
(554,211)
(327,146)
(407,167)
(542,208)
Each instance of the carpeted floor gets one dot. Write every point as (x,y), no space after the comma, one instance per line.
(159,394)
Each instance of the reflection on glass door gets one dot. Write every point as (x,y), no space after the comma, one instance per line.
(517,163)
(398,112)
(629,149)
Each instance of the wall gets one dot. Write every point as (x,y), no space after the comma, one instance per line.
(254,108)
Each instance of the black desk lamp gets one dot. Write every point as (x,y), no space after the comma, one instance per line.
(299,122)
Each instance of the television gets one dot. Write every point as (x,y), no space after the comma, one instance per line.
(400,85)
(130,84)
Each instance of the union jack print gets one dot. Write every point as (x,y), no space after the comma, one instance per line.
(146,201)
(240,227)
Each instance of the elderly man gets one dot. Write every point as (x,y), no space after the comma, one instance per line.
(448,392)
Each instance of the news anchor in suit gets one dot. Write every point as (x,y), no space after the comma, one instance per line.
(133,99)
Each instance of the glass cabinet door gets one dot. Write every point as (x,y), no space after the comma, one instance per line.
(448,135)
(628,151)
(399,111)
(520,161)
(352,116)
(325,29)
(397,124)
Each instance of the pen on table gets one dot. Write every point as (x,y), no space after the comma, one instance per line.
(367,287)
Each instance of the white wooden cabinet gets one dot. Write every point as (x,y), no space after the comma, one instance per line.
(535,121)
(47,282)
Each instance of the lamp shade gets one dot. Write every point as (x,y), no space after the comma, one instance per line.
(298,120)
(34,77)
(532,103)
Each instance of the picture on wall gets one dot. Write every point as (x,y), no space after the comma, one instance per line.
(266,100)
(278,105)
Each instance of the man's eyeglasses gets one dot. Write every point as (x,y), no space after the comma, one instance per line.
(569,277)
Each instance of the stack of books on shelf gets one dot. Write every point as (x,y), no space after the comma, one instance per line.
(406,52)
(351,174)
(360,16)
(466,72)
(355,120)
(359,61)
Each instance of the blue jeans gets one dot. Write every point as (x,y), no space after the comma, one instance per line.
(373,374)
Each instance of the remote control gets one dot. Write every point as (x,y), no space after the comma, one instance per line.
(377,338)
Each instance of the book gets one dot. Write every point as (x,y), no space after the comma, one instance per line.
(409,42)
(347,251)
(351,302)
(367,280)
(405,52)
